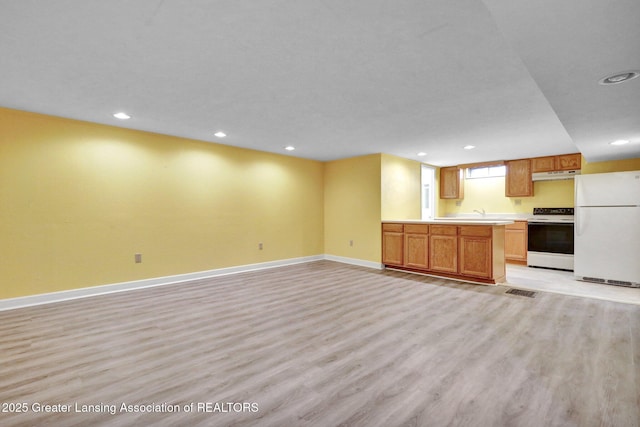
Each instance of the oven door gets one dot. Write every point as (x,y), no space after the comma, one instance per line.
(550,237)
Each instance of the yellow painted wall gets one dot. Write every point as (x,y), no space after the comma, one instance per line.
(78,200)
(611,166)
(488,194)
(400,188)
(352,207)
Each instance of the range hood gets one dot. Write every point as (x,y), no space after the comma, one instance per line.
(555,176)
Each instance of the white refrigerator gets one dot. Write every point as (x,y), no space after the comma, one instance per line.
(607,228)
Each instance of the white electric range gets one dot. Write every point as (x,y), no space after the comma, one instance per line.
(550,238)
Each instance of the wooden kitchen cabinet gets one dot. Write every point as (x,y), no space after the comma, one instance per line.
(443,248)
(468,252)
(515,242)
(475,256)
(416,246)
(556,163)
(569,162)
(451,183)
(543,164)
(518,182)
(393,244)
(481,253)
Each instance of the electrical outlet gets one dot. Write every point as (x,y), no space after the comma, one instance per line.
(350,242)
(518,202)
(138,258)
(458,203)
(260,246)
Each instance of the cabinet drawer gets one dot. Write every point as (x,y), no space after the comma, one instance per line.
(444,230)
(416,228)
(475,230)
(392,227)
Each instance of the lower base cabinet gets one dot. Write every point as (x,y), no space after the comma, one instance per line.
(515,242)
(393,244)
(471,252)
(416,250)
(475,256)
(444,248)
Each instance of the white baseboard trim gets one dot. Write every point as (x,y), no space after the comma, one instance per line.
(48,298)
(354,261)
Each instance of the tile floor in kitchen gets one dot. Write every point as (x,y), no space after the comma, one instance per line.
(563,282)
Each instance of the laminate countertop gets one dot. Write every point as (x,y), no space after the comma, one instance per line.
(453,221)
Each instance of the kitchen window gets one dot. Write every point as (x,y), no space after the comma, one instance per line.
(486,172)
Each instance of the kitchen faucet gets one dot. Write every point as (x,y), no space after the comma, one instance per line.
(480,212)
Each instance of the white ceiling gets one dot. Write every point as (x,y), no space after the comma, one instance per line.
(337,78)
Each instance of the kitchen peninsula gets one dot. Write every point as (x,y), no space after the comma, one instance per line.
(463,249)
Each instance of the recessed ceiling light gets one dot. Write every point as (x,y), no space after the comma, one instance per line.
(422,154)
(220,134)
(469,147)
(289,148)
(620,142)
(619,77)
(122,116)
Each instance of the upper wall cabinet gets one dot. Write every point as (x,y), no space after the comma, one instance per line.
(518,182)
(451,183)
(556,163)
(543,164)
(569,162)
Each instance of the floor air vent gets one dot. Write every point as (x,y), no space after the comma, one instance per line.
(594,279)
(522,293)
(611,282)
(621,283)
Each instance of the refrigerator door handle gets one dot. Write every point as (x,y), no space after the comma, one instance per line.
(580,222)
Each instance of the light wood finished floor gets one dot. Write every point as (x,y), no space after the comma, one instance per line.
(327,344)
